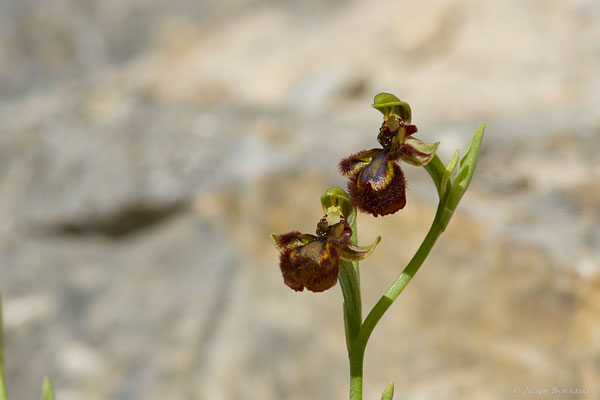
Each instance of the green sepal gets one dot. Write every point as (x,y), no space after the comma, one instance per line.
(388,104)
(388,393)
(47,389)
(354,252)
(422,153)
(335,196)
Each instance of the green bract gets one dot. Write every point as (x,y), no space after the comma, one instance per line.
(451,191)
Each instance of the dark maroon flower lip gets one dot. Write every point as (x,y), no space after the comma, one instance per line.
(312,261)
(387,200)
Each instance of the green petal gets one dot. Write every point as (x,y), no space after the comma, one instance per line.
(352,252)
(389,104)
(418,153)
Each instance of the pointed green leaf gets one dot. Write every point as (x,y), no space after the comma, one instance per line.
(47,389)
(388,393)
(466,169)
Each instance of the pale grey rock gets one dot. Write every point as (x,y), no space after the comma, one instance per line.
(148,149)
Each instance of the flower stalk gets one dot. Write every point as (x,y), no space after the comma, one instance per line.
(376,186)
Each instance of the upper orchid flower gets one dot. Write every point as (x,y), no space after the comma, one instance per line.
(377,184)
(312,262)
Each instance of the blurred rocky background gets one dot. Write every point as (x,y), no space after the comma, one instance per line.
(149,148)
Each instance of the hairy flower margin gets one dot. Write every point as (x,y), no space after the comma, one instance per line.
(313,261)
(377,185)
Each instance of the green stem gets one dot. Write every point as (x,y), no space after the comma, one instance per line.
(3,395)
(395,289)
(356,375)
(357,338)
(358,344)
(449,193)
(350,282)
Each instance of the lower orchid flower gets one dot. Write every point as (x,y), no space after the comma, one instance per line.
(313,261)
